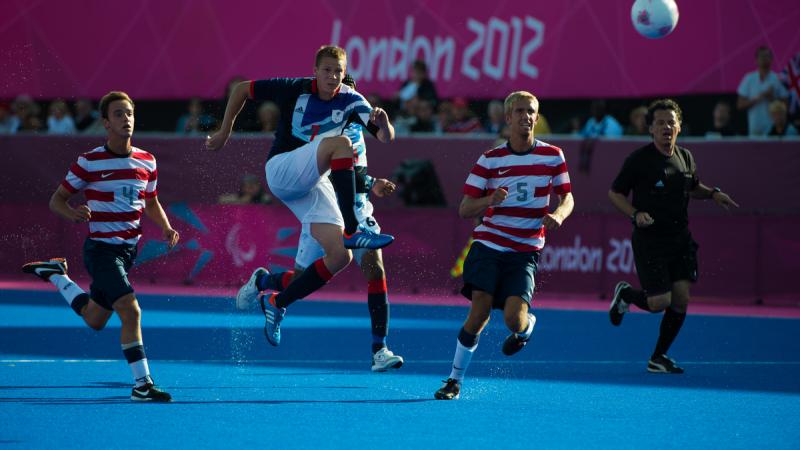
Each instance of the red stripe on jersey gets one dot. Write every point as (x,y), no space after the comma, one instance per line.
(124,234)
(98,196)
(104,216)
(481,171)
(503,242)
(153,175)
(515,211)
(99,156)
(80,172)
(144,194)
(526,170)
(525,233)
(542,191)
(472,191)
(547,151)
(119,174)
(562,189)
(559,169)
(497,152)
(68,186)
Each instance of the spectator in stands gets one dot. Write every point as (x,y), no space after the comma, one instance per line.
(418,85)
(638,122)
(601,124)
(5,119)
(86,117)
(195,120)
(464,121)
(496,118)
(756,90)
(425,120)
(26,114)
(780,120)
(268,116)
(251,191)
(60,121)
(406,117)
(721,121)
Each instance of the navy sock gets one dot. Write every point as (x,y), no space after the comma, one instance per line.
(635,297)
(378,342)
(467,339)
(343,179)
(313,278)
(671,324)
(274,281)
(79,302)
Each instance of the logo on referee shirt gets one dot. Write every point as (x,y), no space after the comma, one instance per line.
(337,115)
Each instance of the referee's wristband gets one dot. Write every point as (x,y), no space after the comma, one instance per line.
(714,190)
(633,216)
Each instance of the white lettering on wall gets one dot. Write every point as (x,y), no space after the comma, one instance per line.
(499,49)
(585,259)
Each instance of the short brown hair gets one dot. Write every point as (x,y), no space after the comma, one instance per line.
(112,97)
(330,51)
(665,104)
(519,95)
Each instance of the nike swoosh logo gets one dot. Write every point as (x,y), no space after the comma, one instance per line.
(106,175)
(503,172)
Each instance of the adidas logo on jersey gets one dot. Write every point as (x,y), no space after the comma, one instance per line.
(660,184)
(299,110)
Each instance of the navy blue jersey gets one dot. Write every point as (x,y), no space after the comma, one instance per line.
(304,116)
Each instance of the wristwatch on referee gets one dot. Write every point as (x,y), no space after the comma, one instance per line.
(714,190)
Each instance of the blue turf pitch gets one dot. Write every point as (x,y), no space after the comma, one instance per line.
(580,383)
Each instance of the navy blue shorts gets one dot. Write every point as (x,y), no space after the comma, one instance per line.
(663,260)
(501,274)
(108,265)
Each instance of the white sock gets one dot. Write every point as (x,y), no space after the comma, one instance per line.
(68,289)
(525,335)
(141,372)
(461,360)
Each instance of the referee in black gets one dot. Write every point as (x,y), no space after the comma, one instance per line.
(663,177)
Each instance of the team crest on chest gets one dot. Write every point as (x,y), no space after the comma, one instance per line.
(337,115)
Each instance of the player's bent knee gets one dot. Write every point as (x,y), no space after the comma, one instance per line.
(659,303)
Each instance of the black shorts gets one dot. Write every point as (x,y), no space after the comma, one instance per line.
(108,265)
(663,260)
(501,274)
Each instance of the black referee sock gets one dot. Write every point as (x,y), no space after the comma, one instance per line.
(343,179)
(671,324)
(636,297)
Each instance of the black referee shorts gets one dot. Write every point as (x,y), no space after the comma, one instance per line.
(663,260)
(108,265)
(502,274)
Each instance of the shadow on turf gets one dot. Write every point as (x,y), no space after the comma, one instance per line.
(126,400)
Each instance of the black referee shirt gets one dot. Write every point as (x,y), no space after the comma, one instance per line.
(661,186)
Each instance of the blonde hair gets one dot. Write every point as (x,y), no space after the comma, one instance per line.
(519,95)
(112,97)
(330,51)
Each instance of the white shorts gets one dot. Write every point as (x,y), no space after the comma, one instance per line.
(309,250)
(294,178)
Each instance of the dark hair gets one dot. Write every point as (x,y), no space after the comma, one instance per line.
(763,48)
(349,80)
(420,65)
(663,104)
(112,97)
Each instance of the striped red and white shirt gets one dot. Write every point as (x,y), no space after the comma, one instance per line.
(515,225)
(115,188)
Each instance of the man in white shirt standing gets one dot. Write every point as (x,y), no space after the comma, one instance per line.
(756,90)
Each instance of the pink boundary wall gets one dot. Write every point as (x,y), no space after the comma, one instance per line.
(747,255)
(742,258)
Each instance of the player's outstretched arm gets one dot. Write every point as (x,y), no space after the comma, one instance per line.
(722,199)
(59,204)
(471,207)
(235,103)
(565,206)
(385,129)
(153,209)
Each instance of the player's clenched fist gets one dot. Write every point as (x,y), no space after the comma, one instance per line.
(498,196)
